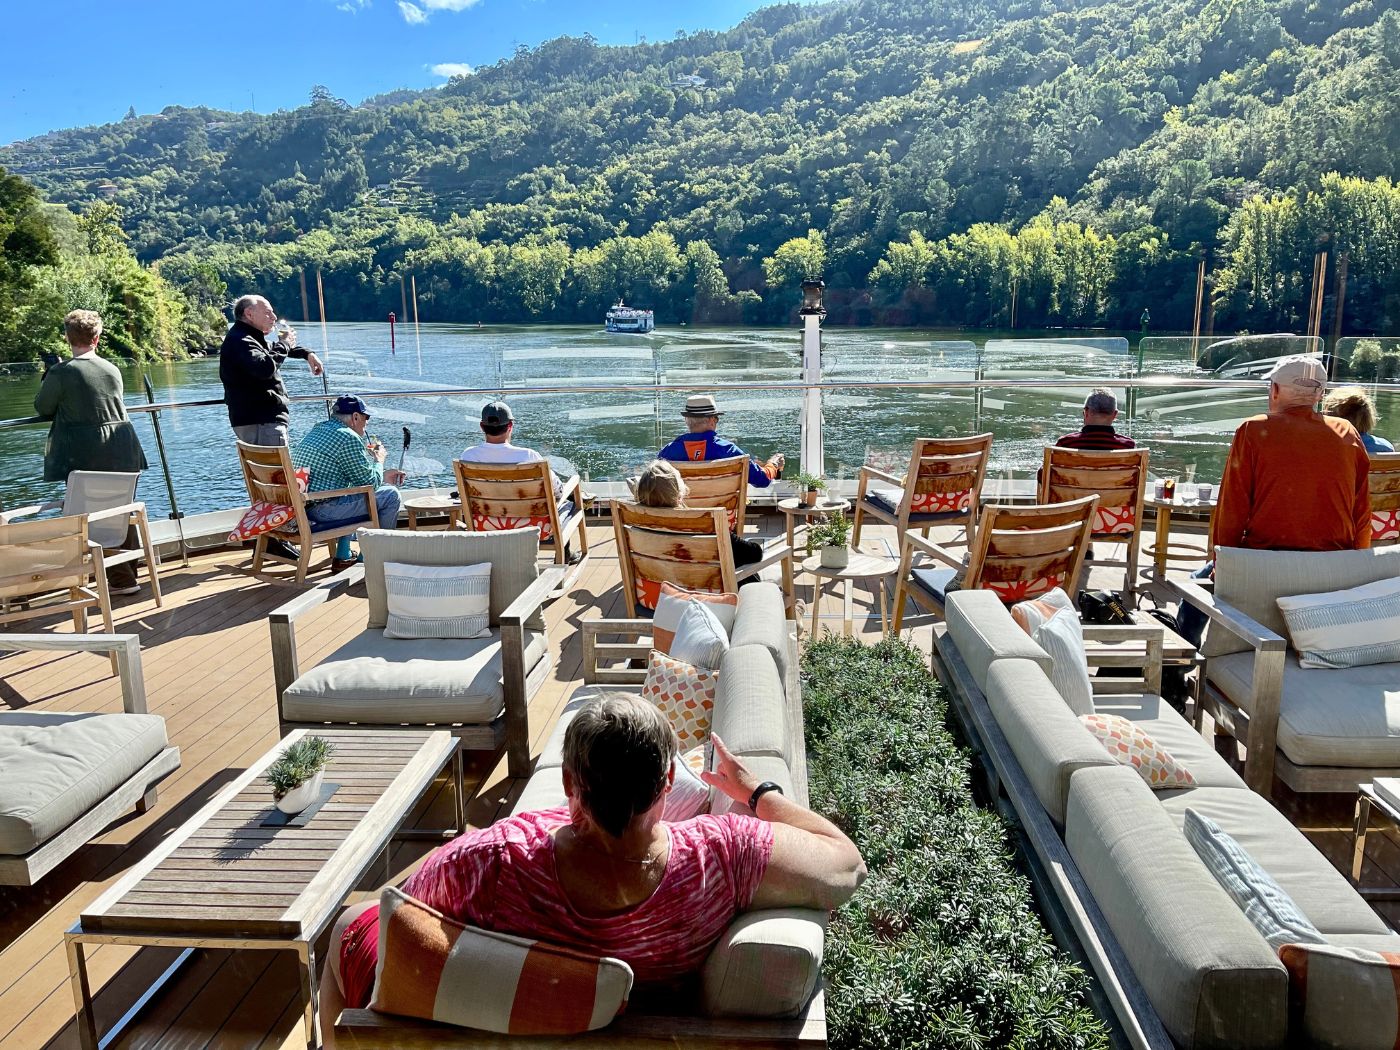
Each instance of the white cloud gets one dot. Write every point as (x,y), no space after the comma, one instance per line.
(417,13)
(449,5)
(452,69)
(412,13)
(352,7)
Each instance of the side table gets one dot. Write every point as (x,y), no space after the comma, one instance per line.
(873,567)
(1367,798)
(793,509)
(1163,549)
(431,507)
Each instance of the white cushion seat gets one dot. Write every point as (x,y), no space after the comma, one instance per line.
(1344,717)
(376,680)
(56,767)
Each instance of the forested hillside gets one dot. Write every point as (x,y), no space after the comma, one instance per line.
(925,157)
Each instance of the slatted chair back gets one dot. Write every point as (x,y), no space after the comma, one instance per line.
(52,554)
(942,486)
(1385,498)
(722,483)
(685,546)
(1119,478)
(269,476)
(89,491)
(499,497)
(1023,552)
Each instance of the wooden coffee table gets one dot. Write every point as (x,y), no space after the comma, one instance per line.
(871,567)
(223,880)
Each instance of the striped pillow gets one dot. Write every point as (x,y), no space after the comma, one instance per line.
(437,969)
(1346,628)
(672,604)
(438,601)
(1345,996)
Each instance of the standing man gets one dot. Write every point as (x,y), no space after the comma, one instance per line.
(250,368)
(702,418)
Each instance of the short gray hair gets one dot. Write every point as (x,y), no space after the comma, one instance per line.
(344,417)
(619,749)
(1101,402)
(241,305)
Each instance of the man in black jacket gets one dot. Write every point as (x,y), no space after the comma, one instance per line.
(250,370)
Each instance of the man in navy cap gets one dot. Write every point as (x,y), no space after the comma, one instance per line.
(338,456)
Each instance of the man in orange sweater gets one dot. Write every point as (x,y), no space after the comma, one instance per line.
(1296,480)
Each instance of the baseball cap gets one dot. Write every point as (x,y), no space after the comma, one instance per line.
(348,403)
(497,414)
(1299,375)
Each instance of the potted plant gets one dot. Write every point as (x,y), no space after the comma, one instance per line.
(808,485)
(296,775)
(831,536)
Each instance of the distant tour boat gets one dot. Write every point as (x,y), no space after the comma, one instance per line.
(623,318)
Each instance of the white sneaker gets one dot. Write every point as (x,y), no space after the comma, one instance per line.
(132,588)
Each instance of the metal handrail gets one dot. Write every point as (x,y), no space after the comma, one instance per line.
(1021,382)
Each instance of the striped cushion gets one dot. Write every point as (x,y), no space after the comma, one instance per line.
(437,969)
(438,601)
(671,603)
(1345,996)
(1263,901)
(1346,628)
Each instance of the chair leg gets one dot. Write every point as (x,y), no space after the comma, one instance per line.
(304,560)
(104,602)
(152,562)
(855,528)
(259,549)
(789,592)
(79,613)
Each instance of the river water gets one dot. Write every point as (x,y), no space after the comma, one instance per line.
(609,435)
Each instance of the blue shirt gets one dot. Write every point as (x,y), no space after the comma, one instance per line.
(1374,444)
(703,445)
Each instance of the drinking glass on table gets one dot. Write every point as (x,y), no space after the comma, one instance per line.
(1169,490)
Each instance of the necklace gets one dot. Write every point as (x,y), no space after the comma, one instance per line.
(650,860)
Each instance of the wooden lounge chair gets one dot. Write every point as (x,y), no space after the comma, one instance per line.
(1385,498)
(942,487)
(720,483)
(497,497)
(685,546)
(109,500)
(1018,553)
(267,471)
(1118,478)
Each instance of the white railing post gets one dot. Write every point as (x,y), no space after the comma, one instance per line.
(813,453)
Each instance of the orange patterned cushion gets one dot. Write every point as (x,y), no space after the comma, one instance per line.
(669,602)
(1023,590)
(1344,996)
(1115,521)
(1130,746)
(685,695)
(1385,524)
(437,969)
(940,502)
(502,523)
(263,516)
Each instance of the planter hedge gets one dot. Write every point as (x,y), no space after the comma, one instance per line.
(942,947)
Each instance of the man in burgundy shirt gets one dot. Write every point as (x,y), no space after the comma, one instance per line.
(1100,410)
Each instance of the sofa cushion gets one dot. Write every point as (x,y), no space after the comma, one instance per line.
(544,790)
(766,964)
(761,619)
(1157,718)
(58,766)
(684,693)
(513,556)
(750,706)
(1128,744)
(435,968)
(671,605)
(700,638)
(1347,717)
(1319,889)
(386,681)
(1213,981)
(1345,997)
(984,631)
(1254,581)
(1048,740)
(553,753)
(1360,625)
(1052,622)
(1272,912)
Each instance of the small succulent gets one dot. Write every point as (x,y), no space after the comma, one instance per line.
(298,764)
(808,483)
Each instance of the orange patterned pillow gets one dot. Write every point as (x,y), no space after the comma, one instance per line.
(1130,746)
(685,695)
(669,604)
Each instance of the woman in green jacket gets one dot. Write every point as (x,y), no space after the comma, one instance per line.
(91,430)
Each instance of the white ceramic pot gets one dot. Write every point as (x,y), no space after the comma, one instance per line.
(296,800)
(835,557)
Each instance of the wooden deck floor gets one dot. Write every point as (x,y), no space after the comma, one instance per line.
(208,671)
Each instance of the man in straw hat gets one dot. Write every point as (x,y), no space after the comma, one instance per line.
(702,416)
(1295,480)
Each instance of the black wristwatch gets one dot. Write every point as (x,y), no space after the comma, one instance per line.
(762,790)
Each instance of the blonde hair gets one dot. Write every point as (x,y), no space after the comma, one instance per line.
(1352,404)
(660,485)
(82,327)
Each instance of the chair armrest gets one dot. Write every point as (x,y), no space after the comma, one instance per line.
(772,555)
(872,472)
(933,550)
(125,510)
(366,490)
(281,620)
(25,512)
(572,484)
(1227,616)
(594,650)
(533,596)
(1150,660)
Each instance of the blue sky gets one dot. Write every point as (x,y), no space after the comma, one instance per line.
(78,62)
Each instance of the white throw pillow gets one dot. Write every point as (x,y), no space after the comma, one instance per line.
(1346,628)
(689,795)
(438,601)
(1053,624)
(701,639)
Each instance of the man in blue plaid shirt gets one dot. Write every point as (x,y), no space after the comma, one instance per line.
(338,457)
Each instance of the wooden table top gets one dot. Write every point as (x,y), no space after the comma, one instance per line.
(860,567)
(222,874)
(430,503)
(825,505)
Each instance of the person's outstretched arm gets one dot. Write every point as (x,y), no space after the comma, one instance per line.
(814,864)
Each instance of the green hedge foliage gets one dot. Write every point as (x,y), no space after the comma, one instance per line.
(942,947)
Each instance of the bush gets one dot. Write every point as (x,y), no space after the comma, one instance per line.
(942,946)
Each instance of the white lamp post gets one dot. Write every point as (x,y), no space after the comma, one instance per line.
(813,455)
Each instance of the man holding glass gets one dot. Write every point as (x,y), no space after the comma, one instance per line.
(250,368)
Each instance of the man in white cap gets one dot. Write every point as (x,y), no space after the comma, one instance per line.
(1296,480)
(701,415)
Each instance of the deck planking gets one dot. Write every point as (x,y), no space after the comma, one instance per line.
(208,668)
